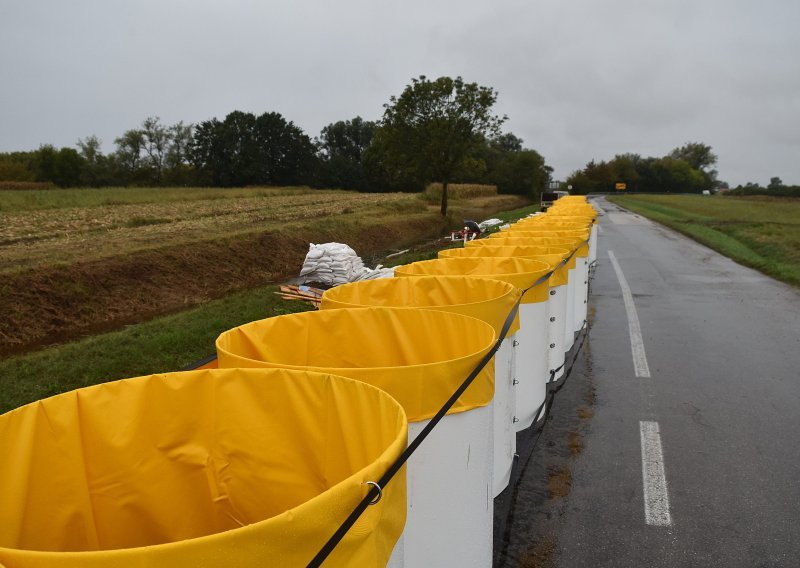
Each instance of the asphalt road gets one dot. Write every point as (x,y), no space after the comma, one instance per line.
(697,464)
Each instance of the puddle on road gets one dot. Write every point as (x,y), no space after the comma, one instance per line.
(559,481)
(575,443)
(540,556)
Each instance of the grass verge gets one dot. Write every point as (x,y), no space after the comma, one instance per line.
(760,233)
(164,344)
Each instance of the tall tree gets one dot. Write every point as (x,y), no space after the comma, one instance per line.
(129,152)
(157,141)
(341,151)
(62,167)
(286,154)
(697,155)
(245,150)
(96,170)
(347,138)
(624,168)
(207,152)
(513,168)
(507,142)
(180,137)
(434,127)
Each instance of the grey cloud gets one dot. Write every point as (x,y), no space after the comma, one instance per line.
(579,79)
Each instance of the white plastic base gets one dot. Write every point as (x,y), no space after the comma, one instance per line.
(531,362)
(581,292)
(505,439)
(556,308)
(450,506)
(569,332)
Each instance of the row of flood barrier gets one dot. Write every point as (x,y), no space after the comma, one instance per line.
(261,460)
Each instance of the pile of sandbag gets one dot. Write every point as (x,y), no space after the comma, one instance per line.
(489,223)
(336,263)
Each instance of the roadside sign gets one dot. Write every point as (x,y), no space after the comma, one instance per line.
(621,186)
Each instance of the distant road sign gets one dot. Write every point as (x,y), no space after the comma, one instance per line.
(621,186)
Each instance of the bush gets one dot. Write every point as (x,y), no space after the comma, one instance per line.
(785,191)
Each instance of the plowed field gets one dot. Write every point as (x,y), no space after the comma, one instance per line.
(75,263)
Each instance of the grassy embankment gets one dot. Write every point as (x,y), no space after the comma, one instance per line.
(760,232)
(160,345)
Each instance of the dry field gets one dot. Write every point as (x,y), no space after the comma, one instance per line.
(74,263)
(41,237)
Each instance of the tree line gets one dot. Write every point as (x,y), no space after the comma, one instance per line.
(686,169)
(775,188)
(439,130)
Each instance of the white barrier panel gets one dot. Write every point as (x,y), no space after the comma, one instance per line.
(593,244)
(581,292)
(487,299)
(419,357)
(569,323)
(456,455)
(557,323)
(532,362)
(505,400)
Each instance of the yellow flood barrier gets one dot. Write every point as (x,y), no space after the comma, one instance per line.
(554,257)
(214,468)
(580,221)
(487,300)
(578,280)
(420,357)
(581,239)
(531,355)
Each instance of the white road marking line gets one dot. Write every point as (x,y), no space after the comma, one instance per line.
(656,500)
(599,230)
(640,366)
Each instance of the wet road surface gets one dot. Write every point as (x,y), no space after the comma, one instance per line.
(697,464)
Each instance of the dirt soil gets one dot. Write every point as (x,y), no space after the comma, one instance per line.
(53,304)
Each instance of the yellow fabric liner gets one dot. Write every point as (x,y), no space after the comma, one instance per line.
(213,468)
(570,217)
(519,272)
(505,241)
(420,357)
(553,223)
(487,300)
(546,230)
(551,256)
(577,239)
(585,211)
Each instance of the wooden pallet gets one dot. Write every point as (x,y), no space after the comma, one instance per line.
(301,293)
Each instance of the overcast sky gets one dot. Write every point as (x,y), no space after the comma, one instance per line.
(579,79)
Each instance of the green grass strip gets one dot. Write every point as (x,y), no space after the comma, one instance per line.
(757,235)
(165,344)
